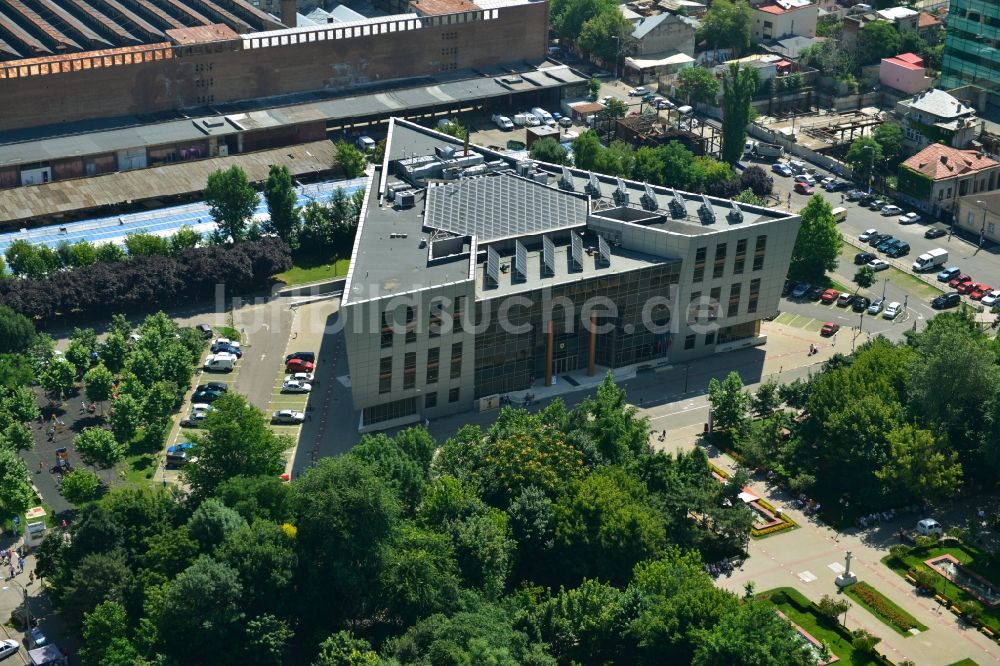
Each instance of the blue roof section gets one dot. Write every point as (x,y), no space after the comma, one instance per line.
(162,222)
(646,25)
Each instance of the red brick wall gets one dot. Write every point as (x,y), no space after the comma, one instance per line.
(231,73)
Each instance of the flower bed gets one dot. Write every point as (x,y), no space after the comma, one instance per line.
(774,523)
(883,608)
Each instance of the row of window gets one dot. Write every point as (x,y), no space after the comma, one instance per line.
(436,321)
(450,51)
(739,260)
(715,301)
(432,368)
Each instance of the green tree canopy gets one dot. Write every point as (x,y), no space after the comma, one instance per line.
(738,88)
(232,202)
(99,447)
(730,403)
(350,159)
(598,34)
(17,333)
(726,24)
(454,128)
(698,84)
(864,156)
(16,494)
(877,40)
(283,216)
(586,148)
(99,382)
(548,150)
(818,243)
(58,379)
(922,465)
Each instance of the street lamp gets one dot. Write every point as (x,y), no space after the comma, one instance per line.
(982,229)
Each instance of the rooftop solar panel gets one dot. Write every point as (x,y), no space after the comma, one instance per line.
(603,252)
(736,214)
(594,186)
(706,211)
(520,261)
(576,251)
(649,201)
(678,207)
(548,256)
(566,182)
(492,267)
(621,193)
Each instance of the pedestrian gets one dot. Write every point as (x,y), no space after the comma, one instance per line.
(12,574)
(31,577)
(834,339)
(41,466)
(427,422)
(83,406)
(20,565)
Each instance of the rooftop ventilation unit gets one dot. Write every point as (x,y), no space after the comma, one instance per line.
(566,182)
(678,206)
(603,252)
(594,186)
(621,193)
(576,251)
(706,211)
(524,168)
(736,214)
(405,199)
(520,261)
(492,268)
(445,152)
(649,201)
(548,257)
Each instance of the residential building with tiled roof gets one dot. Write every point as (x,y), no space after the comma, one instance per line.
(935,178)
(782,18)
(935,116)
(904,72)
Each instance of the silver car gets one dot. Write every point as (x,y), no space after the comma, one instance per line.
(876,306)
(288,416)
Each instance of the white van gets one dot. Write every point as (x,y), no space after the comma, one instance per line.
(929,527)
(839,214)
(221,362)
(543,116)
(684,110)
(366,143)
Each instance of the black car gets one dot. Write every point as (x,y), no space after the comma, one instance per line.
(836,186)
(876,239)
(862,258)
(205,330)
(302,356)
(220,387)
(885,244)
(815,293)
(866,199)
(206,396)
(899,249)
(861,303)
(934,232)
(949,300)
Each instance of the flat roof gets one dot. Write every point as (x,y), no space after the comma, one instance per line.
(68,196)
(77,140)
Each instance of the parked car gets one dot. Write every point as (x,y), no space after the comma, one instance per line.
(222,387)
(566,121)
(781,169)
(836,186)
(300,377)
(205,330)
(892,310)
(664,104)
(179,455)
(861,303)
(991,299)
(295,386)
(887,211)
(949,300)
(829,296)
(648,97)
(845,299)
(298,365)
(862,258)
(228,349)
(7,648)
(965,287)
(854,195)
(877,204)
(909,218)
(884,244)
(288,416)
(878,265)
(303,356)
(38,637)
(638,92)
(815,293)
(867,234)
(803,188)
(866,198)
(979,291)
(206,396)
(877,238)
(806,178)
(829,328)
(876,306)
(934,232)
(955,281)
(800,290)
(948,274)
(224,342)
(898,248)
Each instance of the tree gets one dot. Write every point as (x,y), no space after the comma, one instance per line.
(738,88)
(17,333)
(593,88)
(80,486)
(727,25)
(615,108)
(766,399)
(16,494)
(99,383)
(110,253)
(757,180)
(267,637)
(752,634)
(548,150)
(454,128)
(889,137)
(25,260)
(616,160)
(235,440)
(99,447)
(864,156)
(648,166)
(112,351)
(283,216)
(16,370)
(831,608)
(419,576)
(232,202)
(19,403)
(350,159)
(569,16)
(105,637)
(921,464)
(17,437)
(212,522)
(343,649)
(698,85)
(126,417)
(817,246)
(58,379)
(147,245)
(598,35)
(730,403)
(185,238)
(864,277)
(877,40)
(586,148)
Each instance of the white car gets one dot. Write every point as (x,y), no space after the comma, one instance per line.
(295,386)
(909,218)
(878,265)
(606,99)
(867,234)
(806,178)
(638,92)
(991,299)
(890,210)
(827,181)
(7,648)
(892,310)
(288,416)
(566,121)
(300,377)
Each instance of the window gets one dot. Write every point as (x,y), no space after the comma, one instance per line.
(970,218)
(734,299)
(714,303)
(386,330)
(720,260)
(410,370)
(694,307)
(758,255)
(699,264)
(456,360)
(430,400)
(385,374)
(754,295)
(458,311)
(433,361)
(454,394)
(435,320)
(710,339)
(389,411)
(741,257)
(689,341)
(411,323)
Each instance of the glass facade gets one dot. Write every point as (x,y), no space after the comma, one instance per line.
(511,356)
(972,45)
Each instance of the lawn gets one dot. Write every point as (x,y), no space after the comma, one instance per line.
(306,274)
(883,608)
(799,610)
(964,662)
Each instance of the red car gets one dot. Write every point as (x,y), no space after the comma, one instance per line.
(979,291)
(959,280)
(966,287)
(298,365)
(829,328)
(803,188)
(829,296)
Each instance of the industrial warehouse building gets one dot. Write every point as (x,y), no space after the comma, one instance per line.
(474,275)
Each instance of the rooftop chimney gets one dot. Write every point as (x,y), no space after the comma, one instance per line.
(288,13)
(944,159)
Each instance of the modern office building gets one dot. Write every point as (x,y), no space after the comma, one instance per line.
(474,275)
(972,45)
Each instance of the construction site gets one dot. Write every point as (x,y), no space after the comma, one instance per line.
(825,132)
